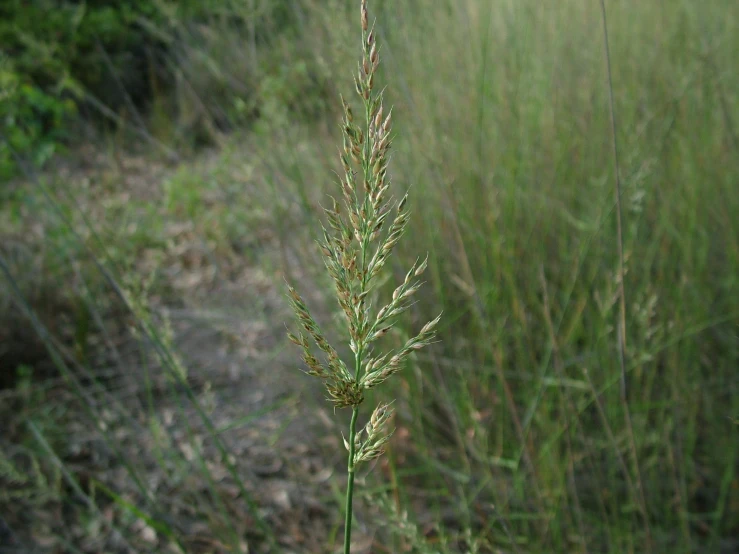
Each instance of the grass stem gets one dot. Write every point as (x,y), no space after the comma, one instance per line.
(621,289)
(350,482)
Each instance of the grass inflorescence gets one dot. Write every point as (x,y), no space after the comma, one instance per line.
(355,249)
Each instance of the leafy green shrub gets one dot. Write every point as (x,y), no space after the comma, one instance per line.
(99,46)
(181,63)
(63,54)
(30,120)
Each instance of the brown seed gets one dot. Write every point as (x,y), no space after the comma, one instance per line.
(386,124)
(378,118)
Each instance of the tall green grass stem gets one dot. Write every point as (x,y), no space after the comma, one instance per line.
(350,482)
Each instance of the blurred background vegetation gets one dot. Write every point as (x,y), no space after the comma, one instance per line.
(162,167)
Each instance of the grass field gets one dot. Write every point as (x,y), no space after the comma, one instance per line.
(150,399)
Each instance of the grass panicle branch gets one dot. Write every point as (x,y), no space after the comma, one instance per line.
(355,247)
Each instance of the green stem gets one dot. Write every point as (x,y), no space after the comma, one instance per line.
(350,484)
(367,148)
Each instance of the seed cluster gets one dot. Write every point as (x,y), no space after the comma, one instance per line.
(373,445)
(355,248)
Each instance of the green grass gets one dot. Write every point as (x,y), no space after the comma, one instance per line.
(504,132)
(511,431)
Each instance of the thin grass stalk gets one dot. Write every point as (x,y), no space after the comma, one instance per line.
(350,483)
(621,288)
(567,407)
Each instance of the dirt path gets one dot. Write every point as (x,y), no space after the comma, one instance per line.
(227,319)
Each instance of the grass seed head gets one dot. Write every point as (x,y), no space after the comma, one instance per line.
(356,245)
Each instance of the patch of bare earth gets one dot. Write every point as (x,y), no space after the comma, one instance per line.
(129,438)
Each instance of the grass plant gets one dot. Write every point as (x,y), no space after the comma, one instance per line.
(355,251)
